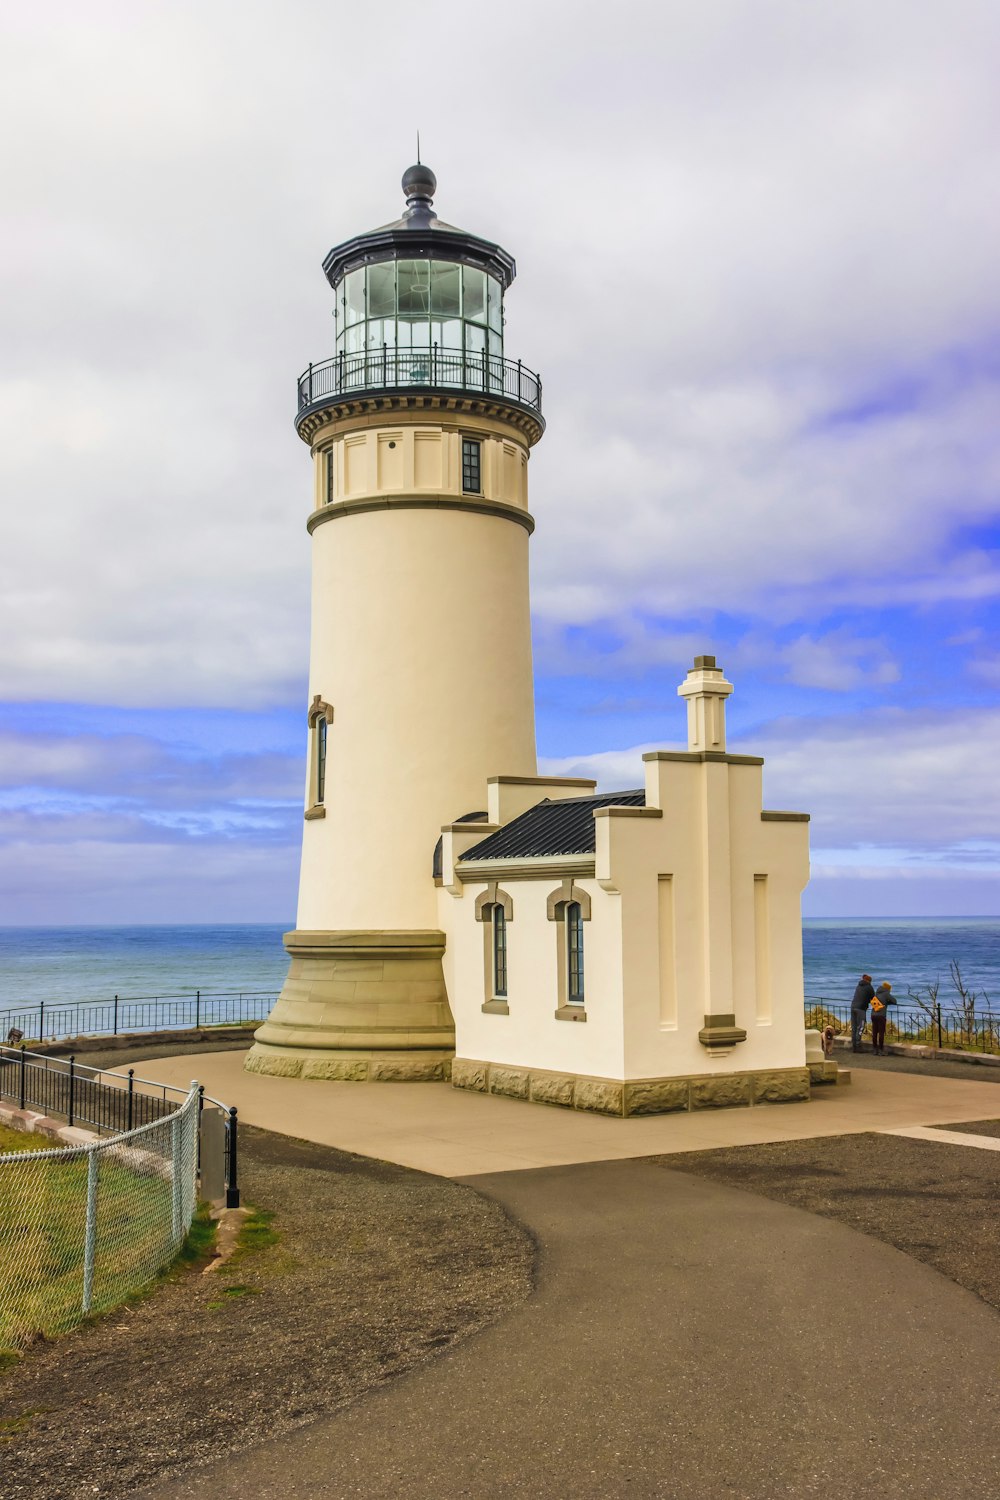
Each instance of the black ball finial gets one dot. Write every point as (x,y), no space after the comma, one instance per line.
(419,182)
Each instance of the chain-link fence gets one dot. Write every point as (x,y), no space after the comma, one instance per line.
(84,1226)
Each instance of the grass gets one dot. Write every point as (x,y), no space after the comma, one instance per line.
(256,1233)
(42,1230)
(20,1140)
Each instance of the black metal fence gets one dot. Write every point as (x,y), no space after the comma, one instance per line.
(52,1020)
(432,368)
(108,1102)
(932,1025)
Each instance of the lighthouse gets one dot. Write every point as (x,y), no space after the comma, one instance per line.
(419,429)
(460,917)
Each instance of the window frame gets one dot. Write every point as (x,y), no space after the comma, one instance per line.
(498,925)
(319,719)
(472,465)
(576,982)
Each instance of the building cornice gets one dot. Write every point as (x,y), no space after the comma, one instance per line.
(548,867)
(713,757)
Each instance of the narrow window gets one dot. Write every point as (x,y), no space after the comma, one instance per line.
(499,953)
(328,470)
(321,727)
(471,481)
(574,954)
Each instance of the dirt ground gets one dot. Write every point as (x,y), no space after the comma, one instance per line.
(375,1268)
(936,1203)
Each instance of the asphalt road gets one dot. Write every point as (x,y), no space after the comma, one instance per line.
(687,1340)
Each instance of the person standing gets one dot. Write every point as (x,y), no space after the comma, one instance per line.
(863,996)
(880,1014)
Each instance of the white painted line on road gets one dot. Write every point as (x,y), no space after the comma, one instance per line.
(947,1137)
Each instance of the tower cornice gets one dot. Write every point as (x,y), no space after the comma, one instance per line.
(312,419)
(479,507)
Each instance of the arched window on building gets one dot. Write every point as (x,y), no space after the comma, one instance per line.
(495,909)
(574,954)
(569,907)
(499,926)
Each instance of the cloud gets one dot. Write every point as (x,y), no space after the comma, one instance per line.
(889,780)
(134,767)
(760,396)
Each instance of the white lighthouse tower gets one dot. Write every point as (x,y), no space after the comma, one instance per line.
(420,681)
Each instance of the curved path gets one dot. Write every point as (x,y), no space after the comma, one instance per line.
(686,1340)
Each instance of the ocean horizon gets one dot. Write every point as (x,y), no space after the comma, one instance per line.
(70,963)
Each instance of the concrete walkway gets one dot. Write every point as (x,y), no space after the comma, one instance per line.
(686,1341)
(447,1131)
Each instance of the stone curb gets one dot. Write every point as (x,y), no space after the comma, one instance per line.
(920,1049)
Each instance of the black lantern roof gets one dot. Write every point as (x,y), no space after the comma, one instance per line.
(419,233)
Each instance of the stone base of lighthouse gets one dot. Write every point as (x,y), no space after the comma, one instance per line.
(360,1006)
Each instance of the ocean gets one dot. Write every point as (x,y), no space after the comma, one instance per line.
(96,963)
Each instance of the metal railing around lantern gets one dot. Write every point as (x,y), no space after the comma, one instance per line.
(432,368)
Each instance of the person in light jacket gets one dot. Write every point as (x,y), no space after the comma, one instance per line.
(880,1014)
(859,1009)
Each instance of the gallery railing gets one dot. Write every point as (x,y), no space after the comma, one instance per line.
(432,368)
(52,1020)
(933,1025)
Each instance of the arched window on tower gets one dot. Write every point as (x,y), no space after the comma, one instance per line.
(320,719)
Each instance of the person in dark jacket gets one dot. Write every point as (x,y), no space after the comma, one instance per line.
(880,1014)
(863,996)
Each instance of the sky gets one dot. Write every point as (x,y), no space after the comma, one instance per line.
(757,246)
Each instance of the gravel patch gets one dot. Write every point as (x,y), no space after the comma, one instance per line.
(936,1203)
(376,1267)
(974,1127)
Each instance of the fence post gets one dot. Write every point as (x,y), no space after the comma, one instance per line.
(131,1091)
(115,1032)
(232,1162)
(72,1081)
(176,1155)
(41,1020)
(90,1232)
(197,1009)
(23,1073)
(937,1007)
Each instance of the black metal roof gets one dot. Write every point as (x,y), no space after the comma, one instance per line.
(417,234)
(556,826)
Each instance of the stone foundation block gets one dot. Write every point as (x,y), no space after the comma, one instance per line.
(725,1091)
(552,1088)
(405,1070)
(782,1086)
(355,1071)
(274,1066)
(657,1097)
(466,1074)
(513,1082)
(602,1096)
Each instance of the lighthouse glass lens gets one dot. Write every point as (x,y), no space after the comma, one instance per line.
(354,293)
(446,289)
(382,290)
(474,294)
(495,304)
(414,286)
